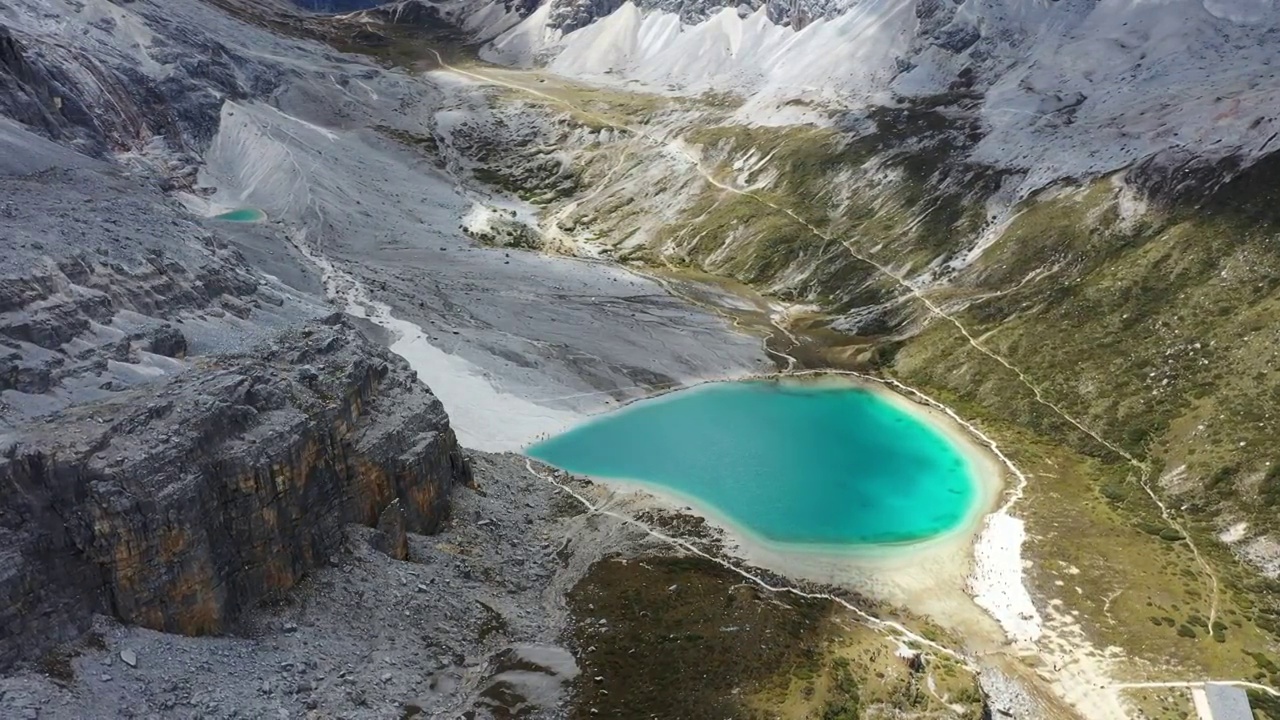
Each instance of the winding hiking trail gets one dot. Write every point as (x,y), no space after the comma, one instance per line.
(678,148)
(1234,683)
(1142,468)
(898,632)
(789,361)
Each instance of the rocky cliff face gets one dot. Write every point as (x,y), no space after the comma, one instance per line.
(179,505)
(101,95)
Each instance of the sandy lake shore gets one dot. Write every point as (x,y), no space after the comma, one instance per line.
(930,577)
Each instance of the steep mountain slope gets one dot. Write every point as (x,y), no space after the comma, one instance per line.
(1057,221)
(189,433)
(336,6)
(1060,89)
(1163,141)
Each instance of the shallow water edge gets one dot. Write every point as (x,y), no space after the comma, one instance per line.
(928,576)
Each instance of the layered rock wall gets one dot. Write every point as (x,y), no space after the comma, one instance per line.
(180,505)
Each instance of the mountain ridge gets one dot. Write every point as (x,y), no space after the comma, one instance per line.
(1066,90)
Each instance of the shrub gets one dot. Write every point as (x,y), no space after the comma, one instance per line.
(1269,490)
(1262,661)
(1115,491)
(1223,478)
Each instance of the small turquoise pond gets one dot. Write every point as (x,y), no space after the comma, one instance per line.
(806,464)
(246,215)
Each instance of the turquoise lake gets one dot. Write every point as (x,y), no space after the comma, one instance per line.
(242,215)
(804,464)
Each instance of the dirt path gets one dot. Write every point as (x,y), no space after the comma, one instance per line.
(898,633)
(677,147)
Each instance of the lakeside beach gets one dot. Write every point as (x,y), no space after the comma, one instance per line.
(929,576)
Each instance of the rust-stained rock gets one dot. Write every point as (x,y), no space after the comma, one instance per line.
(178,505)
(391,538)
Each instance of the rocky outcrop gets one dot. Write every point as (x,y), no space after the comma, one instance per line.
(101,89)
(51,309)
(406,12)
(330,6)
(168,341)
(181,504)
(390,537)
(37,96)
(569,15)
(107,284)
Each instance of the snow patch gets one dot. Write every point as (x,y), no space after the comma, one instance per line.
(1263,552)
(1235,533)
(996,580)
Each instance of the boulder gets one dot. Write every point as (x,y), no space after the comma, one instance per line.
(390,537)
(168,341)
